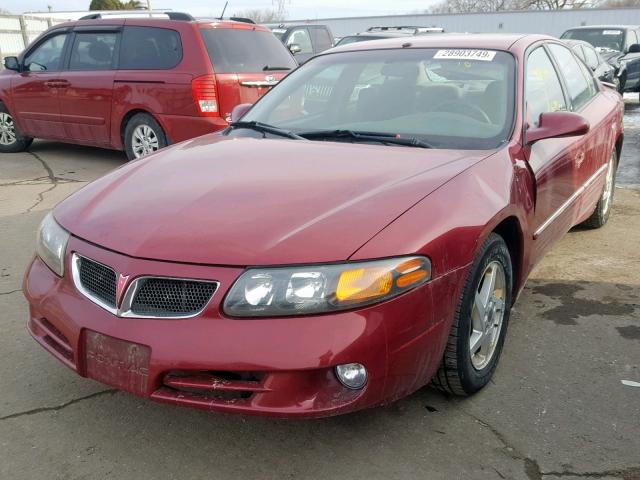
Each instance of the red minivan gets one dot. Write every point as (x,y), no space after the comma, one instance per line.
(135,84)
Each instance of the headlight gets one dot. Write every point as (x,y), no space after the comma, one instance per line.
(262,292)
(52,244)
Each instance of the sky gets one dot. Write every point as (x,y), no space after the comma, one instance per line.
(297,9)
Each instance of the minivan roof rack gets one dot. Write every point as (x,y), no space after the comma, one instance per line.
(139,13)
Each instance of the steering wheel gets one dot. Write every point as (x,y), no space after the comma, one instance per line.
(468,109)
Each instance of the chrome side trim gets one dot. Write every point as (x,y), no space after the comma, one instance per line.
(127,300)
(259,83)
(75,274)
(569,201)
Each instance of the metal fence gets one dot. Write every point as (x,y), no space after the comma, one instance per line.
(17,31)
(550,22)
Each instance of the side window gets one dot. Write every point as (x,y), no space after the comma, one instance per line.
(591,58)
(633,37)
(579,52)
(93,51)
(321,39)
(150,48)
(47,56)
(301,37)
(580,87)
(543,92)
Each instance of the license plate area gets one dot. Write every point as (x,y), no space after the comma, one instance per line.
(117,363)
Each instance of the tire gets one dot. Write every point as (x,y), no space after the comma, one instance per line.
(622,80)
(143,136)
(601,213)
(11,140)
(461,372)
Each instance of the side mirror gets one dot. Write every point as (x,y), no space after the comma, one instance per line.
(239,110)
(556,125)
(294,48)
(12,63)
(635,48)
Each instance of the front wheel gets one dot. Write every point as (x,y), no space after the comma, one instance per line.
(11,140)
(601,213)
(480,323)
(143,136)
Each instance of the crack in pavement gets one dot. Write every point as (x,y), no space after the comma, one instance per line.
(10,292)
(630,473)
(52,179)
(532,469)
(39,181)
(58,407)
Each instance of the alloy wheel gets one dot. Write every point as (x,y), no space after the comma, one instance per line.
(144,141)
(607,193)
(7,129)
(487,315)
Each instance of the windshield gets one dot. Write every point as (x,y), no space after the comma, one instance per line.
(447,98)
(241,50)
(612,38)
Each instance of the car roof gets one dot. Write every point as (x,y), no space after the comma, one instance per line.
(619,27)
(474,41)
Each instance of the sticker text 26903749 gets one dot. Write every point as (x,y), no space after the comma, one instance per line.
(460,54)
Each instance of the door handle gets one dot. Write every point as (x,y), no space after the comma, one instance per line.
(57,83)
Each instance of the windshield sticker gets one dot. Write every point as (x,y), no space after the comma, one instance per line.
(484,55)
(611,32)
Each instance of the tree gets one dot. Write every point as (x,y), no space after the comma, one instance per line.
(114,5)
(105,5)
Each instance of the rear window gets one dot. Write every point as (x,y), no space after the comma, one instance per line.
(245,51)
(150,48)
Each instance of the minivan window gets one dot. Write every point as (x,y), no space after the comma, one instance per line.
(301,38)
(579,86)
(150,48)
(47,56)
(612,38)
(93,51)
(234,50)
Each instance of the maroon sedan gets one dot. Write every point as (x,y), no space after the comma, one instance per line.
(363,230)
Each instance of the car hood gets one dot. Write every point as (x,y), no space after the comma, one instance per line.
(224,201)
(611,56)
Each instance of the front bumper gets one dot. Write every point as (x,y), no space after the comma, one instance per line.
(275,366)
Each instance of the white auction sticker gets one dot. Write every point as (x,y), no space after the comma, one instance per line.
(611,32)
(460,54)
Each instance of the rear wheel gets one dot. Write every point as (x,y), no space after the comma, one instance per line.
(600,215)
(143,136)
(480,322)
(11,140)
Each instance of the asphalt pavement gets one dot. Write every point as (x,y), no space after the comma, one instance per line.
(563,403)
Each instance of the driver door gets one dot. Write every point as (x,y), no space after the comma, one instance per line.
(35,90)
(553,160)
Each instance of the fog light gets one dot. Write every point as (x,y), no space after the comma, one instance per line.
(352,375)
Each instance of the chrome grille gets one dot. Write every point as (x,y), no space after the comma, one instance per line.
(98,281)
(169,297)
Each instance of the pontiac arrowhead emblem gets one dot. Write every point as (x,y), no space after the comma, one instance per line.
(269,78)
(120,286)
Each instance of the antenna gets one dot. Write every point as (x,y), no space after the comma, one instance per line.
(224,10)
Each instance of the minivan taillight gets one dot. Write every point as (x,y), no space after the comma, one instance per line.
(204,93)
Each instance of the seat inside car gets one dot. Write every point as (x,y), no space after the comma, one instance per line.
(493,102)
(393,98)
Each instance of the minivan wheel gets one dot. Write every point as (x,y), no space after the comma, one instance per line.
(11,140)
(480,322)
(143,136)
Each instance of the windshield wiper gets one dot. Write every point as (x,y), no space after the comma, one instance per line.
(269,68)
(386,138)
(266,128)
